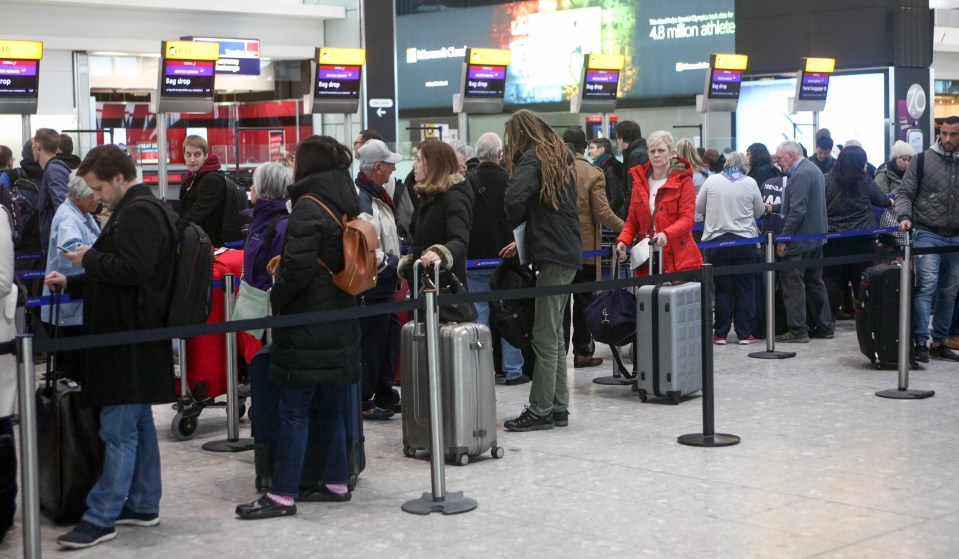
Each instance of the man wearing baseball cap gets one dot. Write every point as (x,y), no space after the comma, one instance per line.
(379,335)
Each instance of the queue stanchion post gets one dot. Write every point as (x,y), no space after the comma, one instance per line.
(771,352)
(903,392)
(709,437)
(29,460)
(233,442)
(621,377)
(439,500)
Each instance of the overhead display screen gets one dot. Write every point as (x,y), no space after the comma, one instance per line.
(187,78)
(19,78)
(814,87)
(670,43)
(724,84)
(338,82)
(601,84)
(485,81)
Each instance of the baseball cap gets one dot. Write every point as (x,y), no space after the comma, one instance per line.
(375,151)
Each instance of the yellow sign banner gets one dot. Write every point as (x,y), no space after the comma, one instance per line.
(821,65)
(492,57)
(345,57)
(21,50)
(730,61)
(189,50)
(605,62)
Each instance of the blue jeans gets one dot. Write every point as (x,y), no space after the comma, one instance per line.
(329,403)
(478,281)
(935,274)
(131,465)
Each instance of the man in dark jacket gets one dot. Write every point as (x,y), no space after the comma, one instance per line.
(823,157)
(203,191)
(601,153)
(53,185)
(633,147)
(932,208)
(65,153)
(126,286)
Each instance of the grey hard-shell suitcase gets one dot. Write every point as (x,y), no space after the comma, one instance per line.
(467,390)
(668,340)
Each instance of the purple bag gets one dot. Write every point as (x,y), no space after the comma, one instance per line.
(611,317)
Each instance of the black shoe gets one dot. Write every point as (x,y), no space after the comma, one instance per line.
(561,418)
(131,518)
(264,507)
(377,414)
(522,379)
(529,421)
(922,352)
(943,353)
(86,534)
(791,338)
(823,335)
(322,494)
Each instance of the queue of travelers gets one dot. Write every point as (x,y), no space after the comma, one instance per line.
(533,178)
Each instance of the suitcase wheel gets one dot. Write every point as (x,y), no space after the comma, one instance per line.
(462,459)
(674,398)
(242,410)
(183,426)
(409,451)
(498,452)
(643,397)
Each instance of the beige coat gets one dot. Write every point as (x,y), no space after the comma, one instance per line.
(592,207)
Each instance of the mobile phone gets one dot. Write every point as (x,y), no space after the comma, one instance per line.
(62,249)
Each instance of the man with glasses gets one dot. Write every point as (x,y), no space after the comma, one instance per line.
(379,335)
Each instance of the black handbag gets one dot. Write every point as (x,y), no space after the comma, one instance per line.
(611,316)
(513,318)
(449,285)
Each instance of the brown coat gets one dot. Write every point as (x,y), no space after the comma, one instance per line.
(592,207)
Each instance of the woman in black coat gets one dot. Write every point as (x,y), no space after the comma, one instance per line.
(445,212)
(313,364)
(761,167)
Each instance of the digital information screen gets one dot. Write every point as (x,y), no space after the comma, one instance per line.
(19,79)
(814,87)
(724,84)
(187,78)
(485,81)
(237,56)
(601,84)
(337,81)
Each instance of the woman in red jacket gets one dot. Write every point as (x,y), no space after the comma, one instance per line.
(665,185)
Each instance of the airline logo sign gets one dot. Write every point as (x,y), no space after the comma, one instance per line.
(189,50)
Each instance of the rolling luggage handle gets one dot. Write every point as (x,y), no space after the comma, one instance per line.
(53,362)
(621,376)
(439,500)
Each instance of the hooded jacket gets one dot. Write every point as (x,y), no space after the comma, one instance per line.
(933,205)
(326,353)
(676,201)
(202,198)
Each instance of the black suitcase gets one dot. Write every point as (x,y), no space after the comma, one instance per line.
(69,450)
(877,315)
(265,417)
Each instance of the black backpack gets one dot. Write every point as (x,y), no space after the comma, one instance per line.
(513,318)
(191,290)
(235,224)
(25,195)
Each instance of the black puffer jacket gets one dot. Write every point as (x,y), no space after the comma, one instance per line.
(326,353)
(551,235)
(443,221)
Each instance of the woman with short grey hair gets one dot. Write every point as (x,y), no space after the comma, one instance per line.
(271,181)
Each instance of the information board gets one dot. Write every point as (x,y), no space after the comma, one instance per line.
(724,84)
(600,84)
(187,76)
(19,76)
(813,86)
(485,81)
(339,77)
(237,56)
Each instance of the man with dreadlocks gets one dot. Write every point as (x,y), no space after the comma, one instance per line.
(542,194)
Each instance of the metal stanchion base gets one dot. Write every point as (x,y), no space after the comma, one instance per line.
(239,445)
(454,503)
(699,439)
(906,394)
(772,354)
(621,376)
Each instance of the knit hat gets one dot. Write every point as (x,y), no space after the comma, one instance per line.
(900,149)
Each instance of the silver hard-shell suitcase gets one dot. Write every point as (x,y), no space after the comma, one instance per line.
(668,340)
(468,389)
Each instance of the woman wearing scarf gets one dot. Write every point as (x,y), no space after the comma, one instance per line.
(731,203)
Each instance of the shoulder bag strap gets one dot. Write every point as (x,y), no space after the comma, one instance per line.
(477,183)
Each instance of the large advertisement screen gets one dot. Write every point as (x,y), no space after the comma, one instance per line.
(187,78)
(763,114)
(666,44)
(19,79)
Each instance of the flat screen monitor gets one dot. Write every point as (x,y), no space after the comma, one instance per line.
(813,86)
(334,81)
(600,84)
(19,79)
(187,78)
(485,81)
(724,84)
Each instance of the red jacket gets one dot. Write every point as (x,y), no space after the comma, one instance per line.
(676,201)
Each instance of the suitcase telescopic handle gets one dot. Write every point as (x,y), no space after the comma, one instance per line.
(416,288)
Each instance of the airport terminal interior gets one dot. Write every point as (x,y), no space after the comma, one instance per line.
(825,468)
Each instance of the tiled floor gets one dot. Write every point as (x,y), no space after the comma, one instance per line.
(825,469)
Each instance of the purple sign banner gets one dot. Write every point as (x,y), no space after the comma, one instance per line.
(18,68)
(339,73)
(174,68)
(602,76)
(487,72)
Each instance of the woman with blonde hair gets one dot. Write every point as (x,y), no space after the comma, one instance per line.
(542,195)
(686,150)
(662,207)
